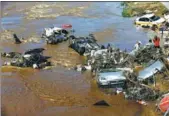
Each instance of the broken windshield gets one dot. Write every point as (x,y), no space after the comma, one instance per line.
(155,18)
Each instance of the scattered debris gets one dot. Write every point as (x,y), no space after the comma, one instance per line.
(31,58)
(142,102)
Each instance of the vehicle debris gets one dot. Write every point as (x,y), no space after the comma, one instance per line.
(56,35)
(115,68)
(101,103)
(84,45)
(30,58)
(17,40)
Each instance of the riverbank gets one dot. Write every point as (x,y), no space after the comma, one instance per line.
(132,9)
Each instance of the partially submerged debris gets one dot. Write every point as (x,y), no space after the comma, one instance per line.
(84,45)
(17,40)
(101,103)
(31,58)
(141,93)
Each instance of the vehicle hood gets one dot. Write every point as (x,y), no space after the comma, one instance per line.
(112,76)
(150,70)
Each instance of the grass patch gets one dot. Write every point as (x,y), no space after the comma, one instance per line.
(139,8)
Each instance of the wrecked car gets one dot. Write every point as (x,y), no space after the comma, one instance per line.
(17,54)
(84,45)
(113,77)
(55,35)
(31,58)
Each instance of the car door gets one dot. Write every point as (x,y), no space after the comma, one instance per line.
(144,21)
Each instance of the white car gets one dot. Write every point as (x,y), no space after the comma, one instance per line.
(149,20)
(166,16)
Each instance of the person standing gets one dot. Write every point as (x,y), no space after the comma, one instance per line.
(137,45)
(156,42)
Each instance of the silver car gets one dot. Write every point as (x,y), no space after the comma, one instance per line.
(149,71)
(111,77)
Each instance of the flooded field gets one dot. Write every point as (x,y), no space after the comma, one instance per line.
(60,91)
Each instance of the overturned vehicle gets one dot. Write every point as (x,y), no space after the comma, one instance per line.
(84,45)
(31,58)
(55,35)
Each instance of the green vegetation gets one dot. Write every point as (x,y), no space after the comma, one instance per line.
(139,8)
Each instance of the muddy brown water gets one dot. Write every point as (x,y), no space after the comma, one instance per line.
(60,91)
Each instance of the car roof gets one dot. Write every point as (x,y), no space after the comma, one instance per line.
(147,15)
(150,70)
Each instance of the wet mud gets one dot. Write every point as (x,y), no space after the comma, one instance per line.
(61,91)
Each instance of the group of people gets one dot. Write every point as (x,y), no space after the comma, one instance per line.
(154,41)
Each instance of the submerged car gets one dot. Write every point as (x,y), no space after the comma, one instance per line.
(149,20)
(84,45)
(55,35)
(112,76)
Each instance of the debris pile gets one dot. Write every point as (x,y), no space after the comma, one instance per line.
(31,58)
(84,45)
(56,35)
(141,93)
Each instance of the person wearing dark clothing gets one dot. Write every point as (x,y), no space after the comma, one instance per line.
(109,48)
(102,47)
(17,40)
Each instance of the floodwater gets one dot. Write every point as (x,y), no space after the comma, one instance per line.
(60,91)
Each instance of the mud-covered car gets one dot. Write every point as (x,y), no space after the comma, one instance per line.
(55,35)
(111,77)
(84,45)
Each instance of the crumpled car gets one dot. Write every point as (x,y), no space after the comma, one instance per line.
(30,58)
(55,35)
(84,45)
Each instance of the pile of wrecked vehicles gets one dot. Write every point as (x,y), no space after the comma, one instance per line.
(135,73)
